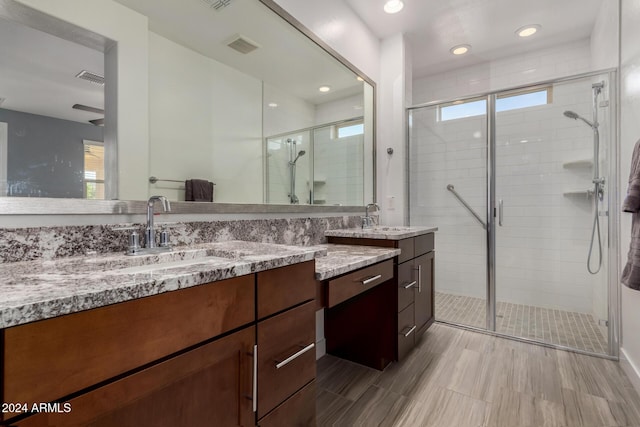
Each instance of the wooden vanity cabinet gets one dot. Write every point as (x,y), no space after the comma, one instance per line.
(208,386)
(359,319)
(182,358)
(286,330)
(414,283)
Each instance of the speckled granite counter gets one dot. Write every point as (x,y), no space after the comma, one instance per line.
(381,232)
(37,290)
(342,259)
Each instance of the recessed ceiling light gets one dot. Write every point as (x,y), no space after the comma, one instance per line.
(393,6)
(324,88)
(527,30)
(461,49)
(272,104)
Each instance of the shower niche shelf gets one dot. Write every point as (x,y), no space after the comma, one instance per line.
(578,164)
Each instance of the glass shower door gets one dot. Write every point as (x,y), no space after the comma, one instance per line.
(544,166)
(448,189)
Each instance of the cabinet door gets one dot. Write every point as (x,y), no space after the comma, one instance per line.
(423,296)
(208,386)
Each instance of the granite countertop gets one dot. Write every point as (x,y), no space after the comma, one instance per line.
(342,259)
(381,232)
(37,290)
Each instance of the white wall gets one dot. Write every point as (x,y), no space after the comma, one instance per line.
(517,70)
(629,134)
(129,30)
(604,37)
(394,96)
(340,109)
(291,114)
(339,26)
(193,134)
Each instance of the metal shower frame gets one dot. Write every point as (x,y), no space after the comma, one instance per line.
(613,255)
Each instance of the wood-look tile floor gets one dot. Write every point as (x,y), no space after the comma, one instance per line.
(566,328)
(459,378)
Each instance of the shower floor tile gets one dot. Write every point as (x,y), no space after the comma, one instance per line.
(575,330)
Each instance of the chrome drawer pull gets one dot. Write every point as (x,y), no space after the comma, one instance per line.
(410,285)
(406,334)
(371,279)
(255,378)
(294,356)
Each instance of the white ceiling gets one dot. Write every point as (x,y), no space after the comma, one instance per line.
(434,26)
(33,58)
(285,59)
(38,74)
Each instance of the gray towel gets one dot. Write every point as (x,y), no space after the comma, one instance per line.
(198,190)
(631,272)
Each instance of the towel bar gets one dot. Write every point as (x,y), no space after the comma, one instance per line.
(153,180)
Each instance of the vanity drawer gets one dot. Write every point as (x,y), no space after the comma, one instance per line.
(406,247)
(298,410)
(406,284)
(52,358)
(284,287)
(286,355)
(424,243)
(406,331)
(352,284)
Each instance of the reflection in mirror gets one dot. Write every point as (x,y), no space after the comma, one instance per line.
(52,104)
(222,82)
(333,173)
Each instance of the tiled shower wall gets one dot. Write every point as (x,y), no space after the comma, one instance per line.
(338,168)
(543,244)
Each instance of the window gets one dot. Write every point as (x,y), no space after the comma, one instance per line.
(93,170)
(505,102)
(520,99)
(350,129)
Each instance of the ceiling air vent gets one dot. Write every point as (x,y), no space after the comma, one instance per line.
(242,44)
(217,4)
(91,77)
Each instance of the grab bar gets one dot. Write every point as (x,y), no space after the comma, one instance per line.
(451,188)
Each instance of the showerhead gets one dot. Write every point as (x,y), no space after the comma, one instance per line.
(575,116)
(300,154)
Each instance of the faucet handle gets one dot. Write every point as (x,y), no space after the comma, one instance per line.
(134,238)
(164,238)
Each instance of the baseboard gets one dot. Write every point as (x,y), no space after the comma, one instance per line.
(631,369)
(321,348)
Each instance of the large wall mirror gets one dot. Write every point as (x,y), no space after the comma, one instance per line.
(128,98)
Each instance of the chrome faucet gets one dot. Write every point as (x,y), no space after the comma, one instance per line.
(150,234)
(367,220)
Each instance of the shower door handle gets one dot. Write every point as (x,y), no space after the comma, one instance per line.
(500,211)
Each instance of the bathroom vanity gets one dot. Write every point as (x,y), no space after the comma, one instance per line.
(387,321)
(233,341)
